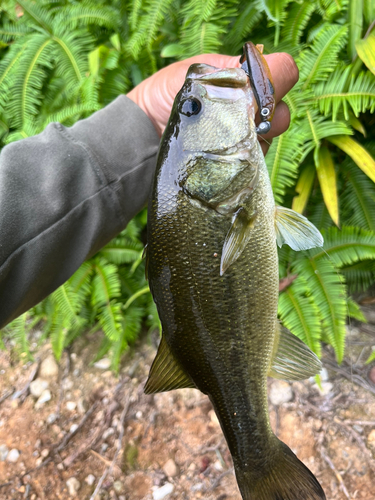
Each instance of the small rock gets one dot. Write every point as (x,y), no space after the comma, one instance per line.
(73,486)
(37,386)
(3,452)
(45,453)
(38,461)
(170,468)
(51,419)
(280,392)
(139,414)
(103,364)
(71,405)
(371,439)
(38,443)
(108,433)
(44,397)
(49,368)
(163,491)
(358,428)
(67,384)
(60,466)
(73,428)
(325,389)
(324,375)
(218,466)
(13,456)
(90,479)
(81,406)
(103,448)
(118,486)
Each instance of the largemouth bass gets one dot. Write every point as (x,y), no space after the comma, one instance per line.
(212,266)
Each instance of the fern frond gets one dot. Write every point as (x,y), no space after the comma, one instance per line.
(130,328)
(347,246)
(297,20)
(299,313)
(26,96)
(331,8)
(155,12)
(315,128)
(283,160)
(37,14)
(358,198)
(110,319)
(9,31)
(105,284)
(329,294)
(320,59)
(85,14)
(360,95)
(246,19)
(122,251)
(70,113)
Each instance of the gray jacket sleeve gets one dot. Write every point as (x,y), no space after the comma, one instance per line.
(64,194)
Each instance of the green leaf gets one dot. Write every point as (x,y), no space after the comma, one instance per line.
(172,50)
(303,188)
(325,169)
(355,24)
(366,51)
(357,153)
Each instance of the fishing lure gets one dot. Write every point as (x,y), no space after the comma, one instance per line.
(256,67)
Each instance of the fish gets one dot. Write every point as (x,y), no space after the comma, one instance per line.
(212,266)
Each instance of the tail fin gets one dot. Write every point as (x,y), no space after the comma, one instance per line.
(287,479)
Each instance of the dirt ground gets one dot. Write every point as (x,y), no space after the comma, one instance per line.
(100,437)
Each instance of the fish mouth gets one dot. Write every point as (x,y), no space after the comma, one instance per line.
(227,77)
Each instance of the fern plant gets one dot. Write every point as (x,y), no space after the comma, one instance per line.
(61,60)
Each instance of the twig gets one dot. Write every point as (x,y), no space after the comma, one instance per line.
(360,422)
(331,465)
(108,470)
(23,392)
(285,282)
(355,378)
(218,480)
(6,395)
(69,436)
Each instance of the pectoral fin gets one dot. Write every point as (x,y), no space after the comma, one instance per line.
(295,230)
(166,372)
(236,239)
(293,359)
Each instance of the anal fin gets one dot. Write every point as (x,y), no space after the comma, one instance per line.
(295,230)
(293,359)
(166,372)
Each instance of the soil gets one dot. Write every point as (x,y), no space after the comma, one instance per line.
(144,442)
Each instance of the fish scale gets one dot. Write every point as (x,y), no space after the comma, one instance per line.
(212,266)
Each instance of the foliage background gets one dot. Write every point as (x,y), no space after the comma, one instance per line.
(61,60)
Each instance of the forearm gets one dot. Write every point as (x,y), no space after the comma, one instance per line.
(64,194)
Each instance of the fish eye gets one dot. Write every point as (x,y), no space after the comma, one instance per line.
(191,107)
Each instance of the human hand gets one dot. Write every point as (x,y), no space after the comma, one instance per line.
(156,94)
